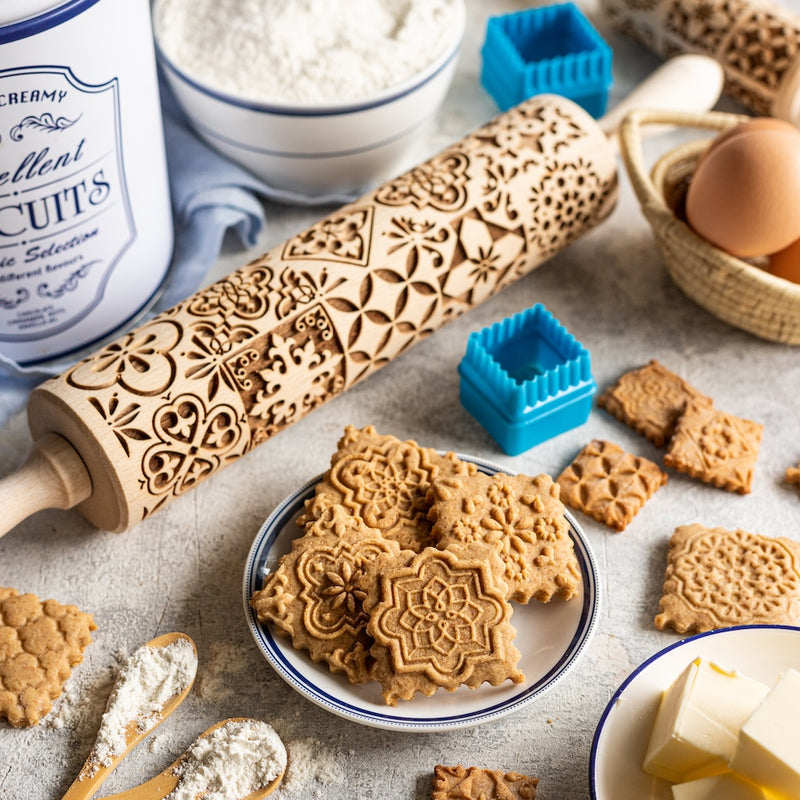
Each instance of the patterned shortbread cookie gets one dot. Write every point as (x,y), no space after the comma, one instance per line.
(315,595)
(715,447)
(519,515)
(474,783)
(384,481)
(440,620)
(609,484)
(650,400)
(40,641)
(716,578)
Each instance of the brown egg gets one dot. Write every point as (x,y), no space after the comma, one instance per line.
(754,124)
(744,195)
(786,263)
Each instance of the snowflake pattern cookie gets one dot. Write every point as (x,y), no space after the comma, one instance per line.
(716,578)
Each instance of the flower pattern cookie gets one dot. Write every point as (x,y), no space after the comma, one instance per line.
(474,783)
(440,620)
(522,518)
(650,400)
(609,484)
(715,447)
(384,482)
(315,595)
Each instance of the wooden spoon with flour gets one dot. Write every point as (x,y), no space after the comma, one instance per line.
(238,759)
(152,684)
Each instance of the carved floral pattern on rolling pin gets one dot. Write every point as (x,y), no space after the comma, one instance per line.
(224,370)
(756,43)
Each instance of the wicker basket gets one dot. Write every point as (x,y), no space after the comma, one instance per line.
(737,292)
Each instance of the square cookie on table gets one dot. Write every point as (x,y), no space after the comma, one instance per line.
(609,483)
(521,517)
(716,578)
(650,400)
(384,481)
(715,447)
(40,642)
(315,596)
(440,619)
(475,783)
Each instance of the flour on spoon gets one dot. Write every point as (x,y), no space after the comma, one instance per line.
(230,763)
(147,681)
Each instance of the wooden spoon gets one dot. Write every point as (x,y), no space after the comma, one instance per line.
(92,773)
(166,781)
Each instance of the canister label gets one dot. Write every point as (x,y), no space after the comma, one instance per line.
(65,214)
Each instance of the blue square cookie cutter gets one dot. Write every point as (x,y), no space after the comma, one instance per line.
(550,49)
(526,379)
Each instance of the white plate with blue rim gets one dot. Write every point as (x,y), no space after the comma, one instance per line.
(550,636)
(761,652)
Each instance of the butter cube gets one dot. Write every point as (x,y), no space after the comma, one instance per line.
(698,722)
(769,743)
(720,787)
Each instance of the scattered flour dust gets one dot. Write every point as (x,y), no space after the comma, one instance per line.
(305,51)
(310,763)
(233,761)
(150,677)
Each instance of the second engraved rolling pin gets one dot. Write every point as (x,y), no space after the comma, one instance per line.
(756,42)
(162,408)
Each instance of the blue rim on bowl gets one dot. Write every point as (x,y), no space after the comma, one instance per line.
(623,732)
(570,624)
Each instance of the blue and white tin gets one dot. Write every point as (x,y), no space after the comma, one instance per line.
(85,221)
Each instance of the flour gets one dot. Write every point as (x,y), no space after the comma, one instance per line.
(149,678)
(305,51)
(311,763)
(233,761)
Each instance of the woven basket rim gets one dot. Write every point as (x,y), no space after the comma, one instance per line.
(738,292)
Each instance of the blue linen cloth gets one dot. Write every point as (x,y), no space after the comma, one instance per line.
(210,196)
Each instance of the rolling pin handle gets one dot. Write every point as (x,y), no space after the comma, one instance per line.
(53,476)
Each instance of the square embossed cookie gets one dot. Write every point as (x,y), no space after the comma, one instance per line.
(609,484)
(384,481)
(715,447)
(440,619)
(474,783)
(40,642)
(716,578)
(522,517)
(315,595)
(650,400)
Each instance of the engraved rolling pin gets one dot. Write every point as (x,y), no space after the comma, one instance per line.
(756,42)
(160,409)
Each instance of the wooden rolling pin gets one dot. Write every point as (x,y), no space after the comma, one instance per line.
(757,43)
(164,407)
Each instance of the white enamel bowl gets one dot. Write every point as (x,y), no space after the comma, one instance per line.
(318,150)
(761,652)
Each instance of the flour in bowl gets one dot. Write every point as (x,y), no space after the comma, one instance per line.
(296,52)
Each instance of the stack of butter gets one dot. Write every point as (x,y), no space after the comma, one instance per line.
(720,735)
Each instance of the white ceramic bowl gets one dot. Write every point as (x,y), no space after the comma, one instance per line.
(318,150)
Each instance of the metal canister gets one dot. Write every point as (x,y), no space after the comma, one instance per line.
(85,221)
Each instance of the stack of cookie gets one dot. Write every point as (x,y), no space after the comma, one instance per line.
(409,563)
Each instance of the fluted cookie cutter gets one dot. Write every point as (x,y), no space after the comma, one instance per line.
(526,379)
(549,49)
